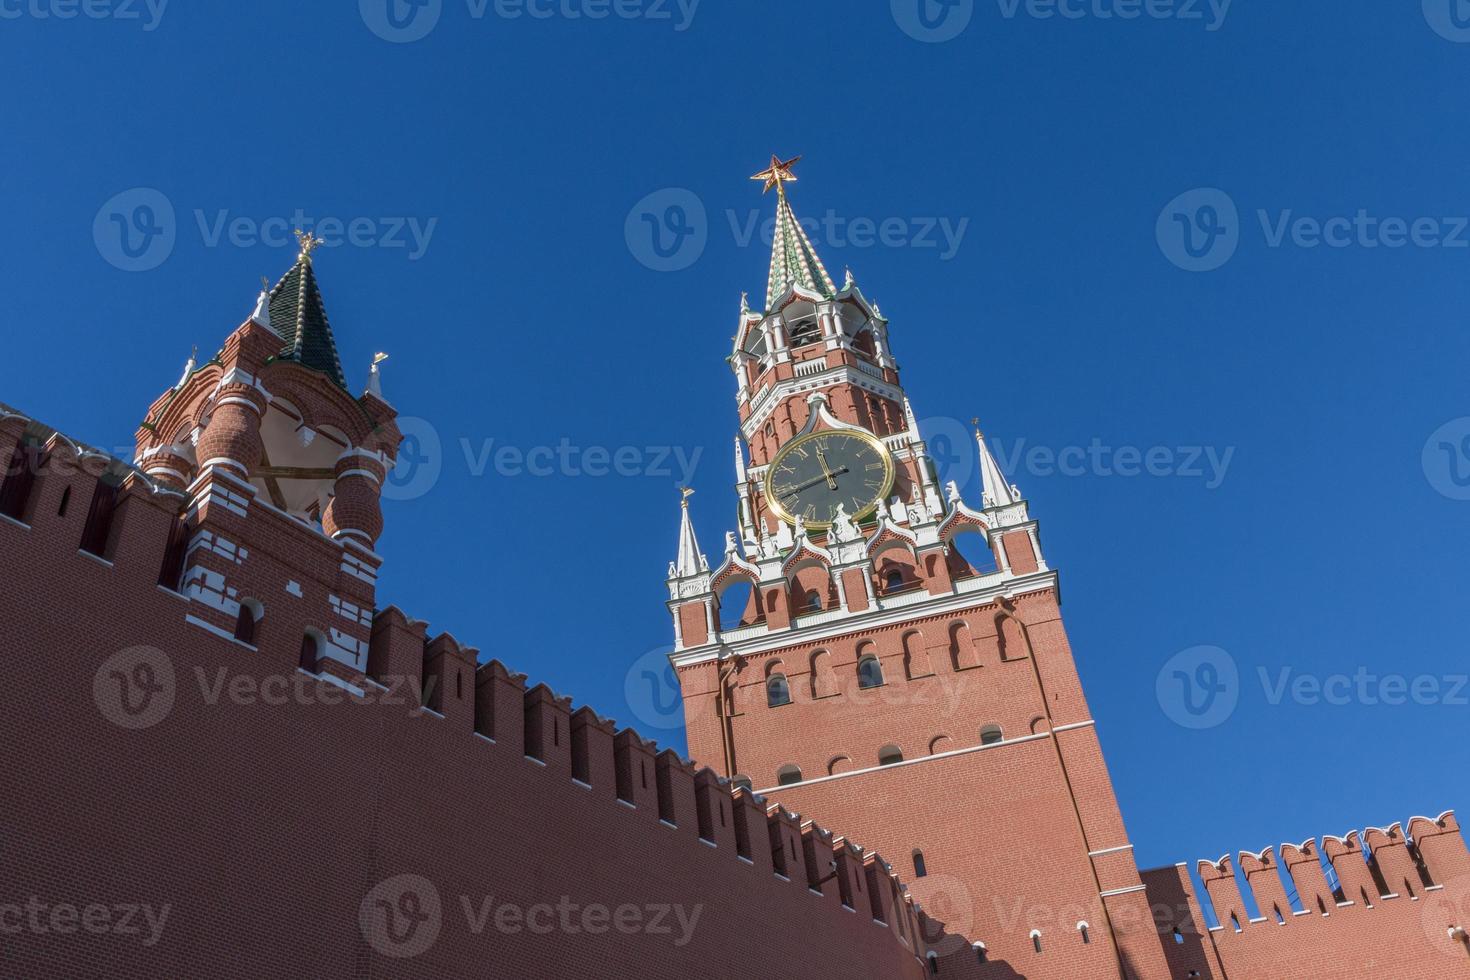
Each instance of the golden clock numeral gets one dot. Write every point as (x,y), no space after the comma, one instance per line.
(784,490)
(875,466)
(810,512)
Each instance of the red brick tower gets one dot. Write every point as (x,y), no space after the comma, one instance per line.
(283,470)
(898,669)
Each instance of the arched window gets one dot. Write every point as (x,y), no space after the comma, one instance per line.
(991,734)
(889,754)
(813,601)
(933,962)
(839,763)
(981,954)
(778,692)
(870,672)
(1082,928)
(311,651)
(920,869)
(1036,939)
(250,611)
(787,775)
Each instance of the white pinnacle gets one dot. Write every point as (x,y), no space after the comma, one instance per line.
(262,313)
(996,491)
(690,561)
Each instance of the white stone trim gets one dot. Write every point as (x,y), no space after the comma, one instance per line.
(1123,891)
(914,762)
(1110,850)
(890,614)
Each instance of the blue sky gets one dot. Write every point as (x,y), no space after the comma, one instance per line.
(495,174)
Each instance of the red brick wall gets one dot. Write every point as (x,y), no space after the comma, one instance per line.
(252,820)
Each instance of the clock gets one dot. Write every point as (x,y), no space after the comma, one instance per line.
(815,474)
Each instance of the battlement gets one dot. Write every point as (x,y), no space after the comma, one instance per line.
(1369,900)
(436,708)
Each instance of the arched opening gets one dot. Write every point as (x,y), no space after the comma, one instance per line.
(982,954)
(870,671)
(1036,940)
(1178,937)
(788,775)
(1010,637)
(933,962)
(940,743)
(915,657)
(311,651)
(813,601)
(738,605)
(246,621)
(921,870)
(1082,929)
(1235,922)
(824,682)
(838,764)
(889,754)
(778,692)
(991,734)
(962,651)
(893,581)
(969,554)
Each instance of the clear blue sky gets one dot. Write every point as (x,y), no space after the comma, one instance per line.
(533,316)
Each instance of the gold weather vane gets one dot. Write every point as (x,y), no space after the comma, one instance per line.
(379,358)
(778,174)
(976,424)
(684,494)
(309,243)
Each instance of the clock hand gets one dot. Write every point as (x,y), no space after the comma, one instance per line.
(822,458)
(815,480)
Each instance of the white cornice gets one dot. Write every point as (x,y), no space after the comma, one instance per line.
(870,619)
(781,390)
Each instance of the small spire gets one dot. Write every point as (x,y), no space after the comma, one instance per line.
(908,415)
(996,492)
(375,378)
(691,560)
(189,366)
(847,280)
(739,462)
(262,311)
(744,303)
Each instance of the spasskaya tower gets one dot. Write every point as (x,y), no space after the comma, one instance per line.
(877,654)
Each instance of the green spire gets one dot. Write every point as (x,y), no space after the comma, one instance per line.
(299,316)
(794,261)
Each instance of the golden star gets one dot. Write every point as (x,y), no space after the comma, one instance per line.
(778,174)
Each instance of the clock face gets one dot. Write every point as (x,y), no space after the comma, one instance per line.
(817,473)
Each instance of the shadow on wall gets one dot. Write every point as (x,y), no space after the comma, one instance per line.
(954,955)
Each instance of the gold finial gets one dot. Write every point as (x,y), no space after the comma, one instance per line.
(976,424)
(778,174)
(379,358)
(309,243)
(685,493)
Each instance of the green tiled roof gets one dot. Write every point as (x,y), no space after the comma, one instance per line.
(299,316)
(794,261)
